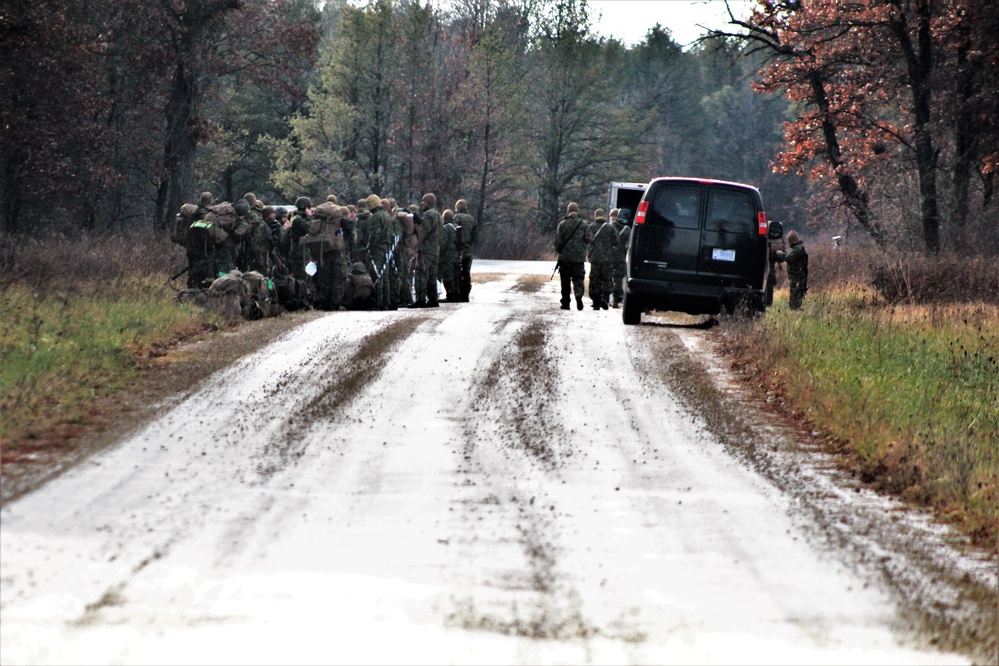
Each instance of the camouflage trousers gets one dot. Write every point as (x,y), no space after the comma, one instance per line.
(465,278)
(405,278)
(601,283)
(330,280)
(426,278)
(620,270)
(797,295)
(572,275)
(450,275)
(379,269)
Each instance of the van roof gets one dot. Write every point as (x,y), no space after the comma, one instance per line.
(706,181)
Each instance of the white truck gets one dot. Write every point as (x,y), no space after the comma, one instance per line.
(626,195)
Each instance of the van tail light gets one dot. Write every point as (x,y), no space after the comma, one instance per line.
(761,217)
(643,207)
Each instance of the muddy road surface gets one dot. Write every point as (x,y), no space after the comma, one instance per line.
(493,482)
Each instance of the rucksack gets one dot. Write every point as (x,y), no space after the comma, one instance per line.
(261,298)
(182,223)
(211,230)
(324,236)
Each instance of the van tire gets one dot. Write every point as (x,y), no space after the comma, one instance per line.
(630,312)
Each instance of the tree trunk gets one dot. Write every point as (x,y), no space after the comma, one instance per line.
(854,197)
(919,64)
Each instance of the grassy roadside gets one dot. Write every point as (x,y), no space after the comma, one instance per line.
(60,352)
(910,391)
(65,343)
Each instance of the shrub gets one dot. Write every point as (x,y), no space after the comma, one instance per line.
(918,279)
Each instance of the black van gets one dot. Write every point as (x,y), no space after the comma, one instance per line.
(696,246)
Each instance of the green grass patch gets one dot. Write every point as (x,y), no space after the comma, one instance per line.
(912,391)
(62,349)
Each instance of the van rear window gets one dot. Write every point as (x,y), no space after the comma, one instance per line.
(675,206)
(731,210)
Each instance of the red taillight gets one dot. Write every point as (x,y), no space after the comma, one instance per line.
(642,208)
(761,217)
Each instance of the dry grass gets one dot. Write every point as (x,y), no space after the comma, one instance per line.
(911,391)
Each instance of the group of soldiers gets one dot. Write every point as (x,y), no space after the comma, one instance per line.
(368,255)
(604,243)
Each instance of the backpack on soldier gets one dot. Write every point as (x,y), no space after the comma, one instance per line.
(324,236)
(182,222)
(212,229)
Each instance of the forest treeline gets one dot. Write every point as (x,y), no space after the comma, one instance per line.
(871,120)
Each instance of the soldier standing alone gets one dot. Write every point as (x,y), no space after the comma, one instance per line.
(775,242)
(797,269)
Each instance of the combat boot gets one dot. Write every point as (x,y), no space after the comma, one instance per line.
(579,302)
(417,304)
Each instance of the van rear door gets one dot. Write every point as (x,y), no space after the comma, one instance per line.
(668,243)
(729,239)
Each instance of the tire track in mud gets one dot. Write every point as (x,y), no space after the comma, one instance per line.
(343,380)
(516,395)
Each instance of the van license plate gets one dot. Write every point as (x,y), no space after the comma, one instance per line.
(723,255)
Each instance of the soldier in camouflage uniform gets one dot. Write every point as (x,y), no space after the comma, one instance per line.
(200,257)
(602,245)
(257,244)
(380,235)
(300,222)
(429,233)
(326,247)
(407,257)
(797,269)
(227,252)
(775,243)
(468,231)
(449,263)
(361,224)
(395,247)
(570,244)
(620,260)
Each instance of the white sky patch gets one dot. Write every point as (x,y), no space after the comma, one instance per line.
(630,20)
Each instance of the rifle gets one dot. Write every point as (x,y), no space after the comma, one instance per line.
(558,264)
(182,271)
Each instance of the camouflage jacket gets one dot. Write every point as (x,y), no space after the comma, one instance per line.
(450,252)
(570,239)
(429,233)
(623,233)
(256,248)
(469,233)
(226,252)
(300,224)
(380,233)
(797,264)
(603,243)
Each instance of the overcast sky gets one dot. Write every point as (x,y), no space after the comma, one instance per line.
(630,20)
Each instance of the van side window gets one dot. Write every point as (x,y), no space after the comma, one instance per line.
(675,206)
(731,210)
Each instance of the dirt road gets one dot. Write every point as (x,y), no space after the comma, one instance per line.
(492,482)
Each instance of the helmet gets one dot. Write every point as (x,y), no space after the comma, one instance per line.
(266,212)
(460,206)
(205,199)
(572,208)
(242,207)
(614,212)
(331,198)
(374,201)
(792,238)
(358,268)
(429,200)
(599,213)
(301,203)
(251,197)
(448,215)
